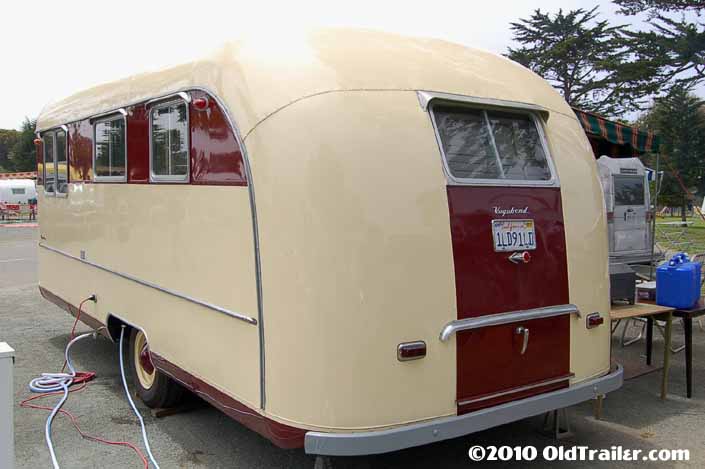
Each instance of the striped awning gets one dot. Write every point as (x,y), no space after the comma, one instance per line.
(619,134)
(24,175)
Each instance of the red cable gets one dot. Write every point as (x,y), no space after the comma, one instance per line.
(26,404)
(81,378)
(73,329)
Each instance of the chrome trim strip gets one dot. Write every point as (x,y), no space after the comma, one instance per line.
(255,236)
(425,97)
(506,318)
(107,114)
(145,283)
(444,428)
(179,94)
(516,390)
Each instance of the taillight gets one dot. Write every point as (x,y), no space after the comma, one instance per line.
(610,217)
(411,350)
(649,215)
(594,320)
(200,103)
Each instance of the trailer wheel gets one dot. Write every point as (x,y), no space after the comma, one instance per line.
(156,389)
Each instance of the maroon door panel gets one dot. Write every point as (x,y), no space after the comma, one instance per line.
(492,361)
(489,359)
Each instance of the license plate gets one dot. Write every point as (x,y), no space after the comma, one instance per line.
(513,235)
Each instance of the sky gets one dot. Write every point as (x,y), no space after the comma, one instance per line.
(53,49)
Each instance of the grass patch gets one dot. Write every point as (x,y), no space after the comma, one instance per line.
(672,236)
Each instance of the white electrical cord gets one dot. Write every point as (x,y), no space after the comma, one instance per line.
(132,404)
(54,382)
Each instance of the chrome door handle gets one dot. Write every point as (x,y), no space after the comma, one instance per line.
(525,332)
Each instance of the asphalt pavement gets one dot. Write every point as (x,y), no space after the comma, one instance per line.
(203,437)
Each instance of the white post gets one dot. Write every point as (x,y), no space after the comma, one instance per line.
(7,402)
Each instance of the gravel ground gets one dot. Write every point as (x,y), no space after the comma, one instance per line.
(633,417)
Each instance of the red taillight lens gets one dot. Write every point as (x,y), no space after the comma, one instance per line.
(411,351)
(594,320)
(200,103)
(610,217)
(649,215)
(37,141)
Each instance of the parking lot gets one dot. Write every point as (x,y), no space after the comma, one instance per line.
(634,417)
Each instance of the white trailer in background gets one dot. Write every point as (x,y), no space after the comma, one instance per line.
(17,191)
(627,200)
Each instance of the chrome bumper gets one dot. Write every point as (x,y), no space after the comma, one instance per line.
(407,436)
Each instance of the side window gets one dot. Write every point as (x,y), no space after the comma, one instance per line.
(40,160)
(169,152)
(55,166)
(48,139)
(62,164)
(110,153)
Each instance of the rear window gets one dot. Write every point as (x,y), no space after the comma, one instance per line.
(628,190)
(482,144)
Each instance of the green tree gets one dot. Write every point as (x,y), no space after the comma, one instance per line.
(23,155)
(8,138)
(586,59)
(672,52)
(679,119)
(633,7)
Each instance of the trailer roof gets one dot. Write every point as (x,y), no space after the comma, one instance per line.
(258,77)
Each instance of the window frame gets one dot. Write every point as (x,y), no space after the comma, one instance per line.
(65,130)
(54,148)
(117,115)
(483,105)
(44,135)
(162,178)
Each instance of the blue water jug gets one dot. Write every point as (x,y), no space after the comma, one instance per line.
(678,282)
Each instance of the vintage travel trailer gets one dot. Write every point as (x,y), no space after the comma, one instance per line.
(17,191)
(628,204)
(352,242)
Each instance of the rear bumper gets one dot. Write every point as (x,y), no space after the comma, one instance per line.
(384,441)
